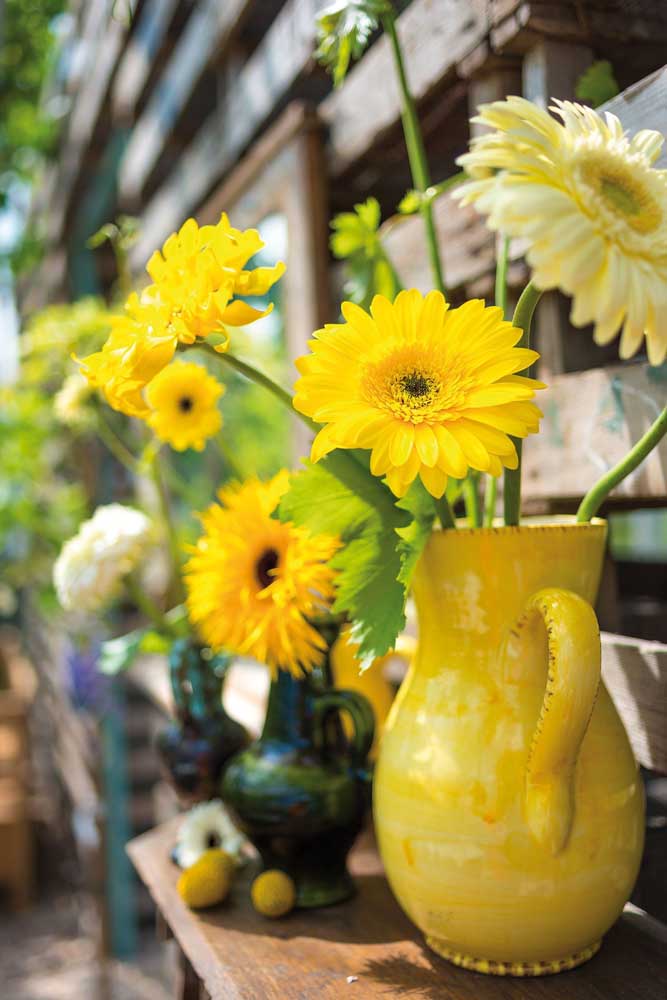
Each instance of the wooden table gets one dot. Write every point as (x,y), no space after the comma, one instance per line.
(231,953)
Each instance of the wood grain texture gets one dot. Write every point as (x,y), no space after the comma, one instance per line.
(135,66)
(635,672)
(309,955)
(591,420)
(644,105)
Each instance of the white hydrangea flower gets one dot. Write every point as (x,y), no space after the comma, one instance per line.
(68,403)
(206,826)
(91,566)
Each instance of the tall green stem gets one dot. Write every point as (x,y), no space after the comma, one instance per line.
(597,494)
(170,527)
(416,152)
(500,298)
(473,507)
(230,460)
(444,511)
(111,440)
(523,317)
(490,496)
(146,604)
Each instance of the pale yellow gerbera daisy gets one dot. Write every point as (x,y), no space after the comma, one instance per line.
(183,400)
(591,205)
(254,583)
(433,392)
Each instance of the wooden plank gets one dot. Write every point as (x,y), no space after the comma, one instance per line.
(635,672)
(435,35)
(266,77)
(104,43)
(591,420)
(310,955)
(644,105)
(135,66)
(206,34)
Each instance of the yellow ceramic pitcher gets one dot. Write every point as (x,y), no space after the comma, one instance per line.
(508,805)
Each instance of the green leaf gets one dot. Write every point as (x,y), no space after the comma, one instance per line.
(344,499)
(344,29)
(597,85)
(415,535)
(355,232)
(119,654)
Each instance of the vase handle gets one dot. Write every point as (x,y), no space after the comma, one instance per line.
(573,678)
(361,713)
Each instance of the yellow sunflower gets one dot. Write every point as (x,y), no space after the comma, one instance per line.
(253,583)
(183,399)
(431,391)
(139,346)
(200,270)
(591,206)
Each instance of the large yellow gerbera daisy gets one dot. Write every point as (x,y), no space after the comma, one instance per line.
(432,392)
(183,399)
(199,272)
(590,204)
(253,582)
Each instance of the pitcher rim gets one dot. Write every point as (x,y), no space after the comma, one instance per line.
(535,524)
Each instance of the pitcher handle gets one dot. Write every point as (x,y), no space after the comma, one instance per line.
(361,713)
(573,679)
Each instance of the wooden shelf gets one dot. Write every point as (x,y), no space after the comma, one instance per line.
(235,954)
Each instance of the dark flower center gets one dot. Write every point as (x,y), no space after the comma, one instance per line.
(213,840)
(267,561)
(415,384)
(185,404)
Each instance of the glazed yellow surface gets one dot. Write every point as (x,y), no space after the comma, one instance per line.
(508,805)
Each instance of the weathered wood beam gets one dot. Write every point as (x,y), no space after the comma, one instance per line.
(644,105)
(591,420)
(206,34)
(135,66)
(104,35)
(264,80)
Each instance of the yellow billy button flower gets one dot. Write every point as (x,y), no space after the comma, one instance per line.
(183,400)
(591,206)
(201,270)
(431,391)
(253,583)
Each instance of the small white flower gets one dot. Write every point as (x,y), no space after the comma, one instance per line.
(68,403)
(206,826)
(89,570)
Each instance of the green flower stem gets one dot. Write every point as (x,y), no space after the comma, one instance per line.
(490,496)
(147,605)
(172,537)
(523,316)
(500,298)
(114,444)
(416,153)
(444,511)
(597,494)
(228,457)
(473,506)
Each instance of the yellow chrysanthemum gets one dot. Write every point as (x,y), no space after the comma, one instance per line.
(199,272)
(254,582)
(196,279)
(592,207)
(139,346)
(183,399)
(431,391)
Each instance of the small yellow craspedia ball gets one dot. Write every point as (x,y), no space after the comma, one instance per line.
(208,880)
(273,893)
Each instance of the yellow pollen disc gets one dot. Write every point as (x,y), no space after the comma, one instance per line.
(413,387)
(623,193)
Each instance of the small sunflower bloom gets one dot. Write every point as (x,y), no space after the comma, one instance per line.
(200,271)
(254,583)
(183,401)
(591,206)
(431,391)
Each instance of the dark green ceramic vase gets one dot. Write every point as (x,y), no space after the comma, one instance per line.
(301,791)
(196,746)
